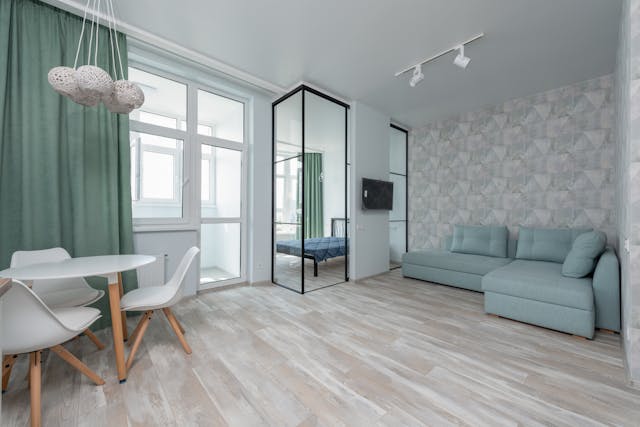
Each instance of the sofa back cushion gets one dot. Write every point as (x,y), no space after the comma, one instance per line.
(480,240)
(546,244)
(581,259)
(512,244)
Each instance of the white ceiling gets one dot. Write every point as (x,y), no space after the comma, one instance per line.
(353,48)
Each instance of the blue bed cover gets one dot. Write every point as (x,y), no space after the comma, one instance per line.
(320,248)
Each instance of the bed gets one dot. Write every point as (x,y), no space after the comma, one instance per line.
(318,249)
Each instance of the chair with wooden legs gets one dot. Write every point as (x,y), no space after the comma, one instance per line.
(29,326)
(59,293)
(151,298)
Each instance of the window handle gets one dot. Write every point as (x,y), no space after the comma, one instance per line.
(185,182)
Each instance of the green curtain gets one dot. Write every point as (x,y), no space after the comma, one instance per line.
(313,197)
(64,168)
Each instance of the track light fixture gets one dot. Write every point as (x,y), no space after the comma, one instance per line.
(417,76)
(461,60)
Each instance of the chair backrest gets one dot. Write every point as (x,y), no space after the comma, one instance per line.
(177,280)
(27,324)
(23,258)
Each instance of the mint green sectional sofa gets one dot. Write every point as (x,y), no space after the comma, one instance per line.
(452,268)
(523,280)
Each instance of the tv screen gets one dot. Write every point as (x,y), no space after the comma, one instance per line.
(377,194)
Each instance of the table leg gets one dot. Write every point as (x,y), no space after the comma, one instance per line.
(125,331)
(116,323)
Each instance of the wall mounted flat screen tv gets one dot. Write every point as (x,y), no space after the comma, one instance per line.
(377,194)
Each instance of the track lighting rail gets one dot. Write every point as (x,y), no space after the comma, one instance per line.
(438,55)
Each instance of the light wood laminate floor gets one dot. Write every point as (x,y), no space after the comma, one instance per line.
(386,351)
(330,272)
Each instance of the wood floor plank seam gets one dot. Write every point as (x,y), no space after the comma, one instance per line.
(383,351)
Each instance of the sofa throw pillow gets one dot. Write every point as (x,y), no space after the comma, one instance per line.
(480,240)
(585,250)
(546,244)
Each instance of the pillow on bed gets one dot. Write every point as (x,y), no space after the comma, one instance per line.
(480,240)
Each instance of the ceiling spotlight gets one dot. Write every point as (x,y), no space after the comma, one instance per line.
(417,76)
(461,60)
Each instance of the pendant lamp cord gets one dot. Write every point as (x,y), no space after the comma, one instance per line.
(93,7)
(84,20)
(112,34)
(113,18)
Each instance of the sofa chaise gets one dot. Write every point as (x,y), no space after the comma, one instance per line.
(531,279)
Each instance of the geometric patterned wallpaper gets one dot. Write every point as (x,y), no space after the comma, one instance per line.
(544,160)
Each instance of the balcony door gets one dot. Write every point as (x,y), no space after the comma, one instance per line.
(221,137)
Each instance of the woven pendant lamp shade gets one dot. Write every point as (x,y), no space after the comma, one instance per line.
(94,81)
(126,97)
(62,80)
(89,84)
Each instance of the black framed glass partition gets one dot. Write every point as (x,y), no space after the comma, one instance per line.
(398,216)
(310,247)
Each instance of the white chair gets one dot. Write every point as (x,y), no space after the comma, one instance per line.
(29,326)
(152,298)
(59,293)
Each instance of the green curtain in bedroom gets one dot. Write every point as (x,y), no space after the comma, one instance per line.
(313,196)
(64,168)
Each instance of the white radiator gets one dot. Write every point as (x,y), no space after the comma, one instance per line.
(153,274)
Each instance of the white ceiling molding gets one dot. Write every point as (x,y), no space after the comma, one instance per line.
(321,89)
(136,33)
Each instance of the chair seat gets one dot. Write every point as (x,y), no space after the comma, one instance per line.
(147,298)
(77,318)
(74,297)
(74,319)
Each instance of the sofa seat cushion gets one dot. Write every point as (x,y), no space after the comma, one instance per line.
(540,281)
(465,263)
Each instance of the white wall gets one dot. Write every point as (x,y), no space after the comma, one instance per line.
(369,159)
(259,218)
(174,244)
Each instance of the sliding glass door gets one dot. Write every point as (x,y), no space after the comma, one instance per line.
(310,226)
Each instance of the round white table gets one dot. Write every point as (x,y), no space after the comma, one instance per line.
(109,266)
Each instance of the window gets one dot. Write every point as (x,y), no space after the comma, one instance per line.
(165,101)
(220,117)
(188,168)
(156,176)
(158,133)
(221,182)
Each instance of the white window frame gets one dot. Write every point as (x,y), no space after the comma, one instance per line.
(191,168)
(177,166)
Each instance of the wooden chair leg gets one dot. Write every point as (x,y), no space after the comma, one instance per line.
(179,325)
(35,378)
(138,333)
(125,332)
(134,334)
(176,328)
(7,366)
(94,339)
(77,363)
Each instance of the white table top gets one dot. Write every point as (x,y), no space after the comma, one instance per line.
(78,267)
